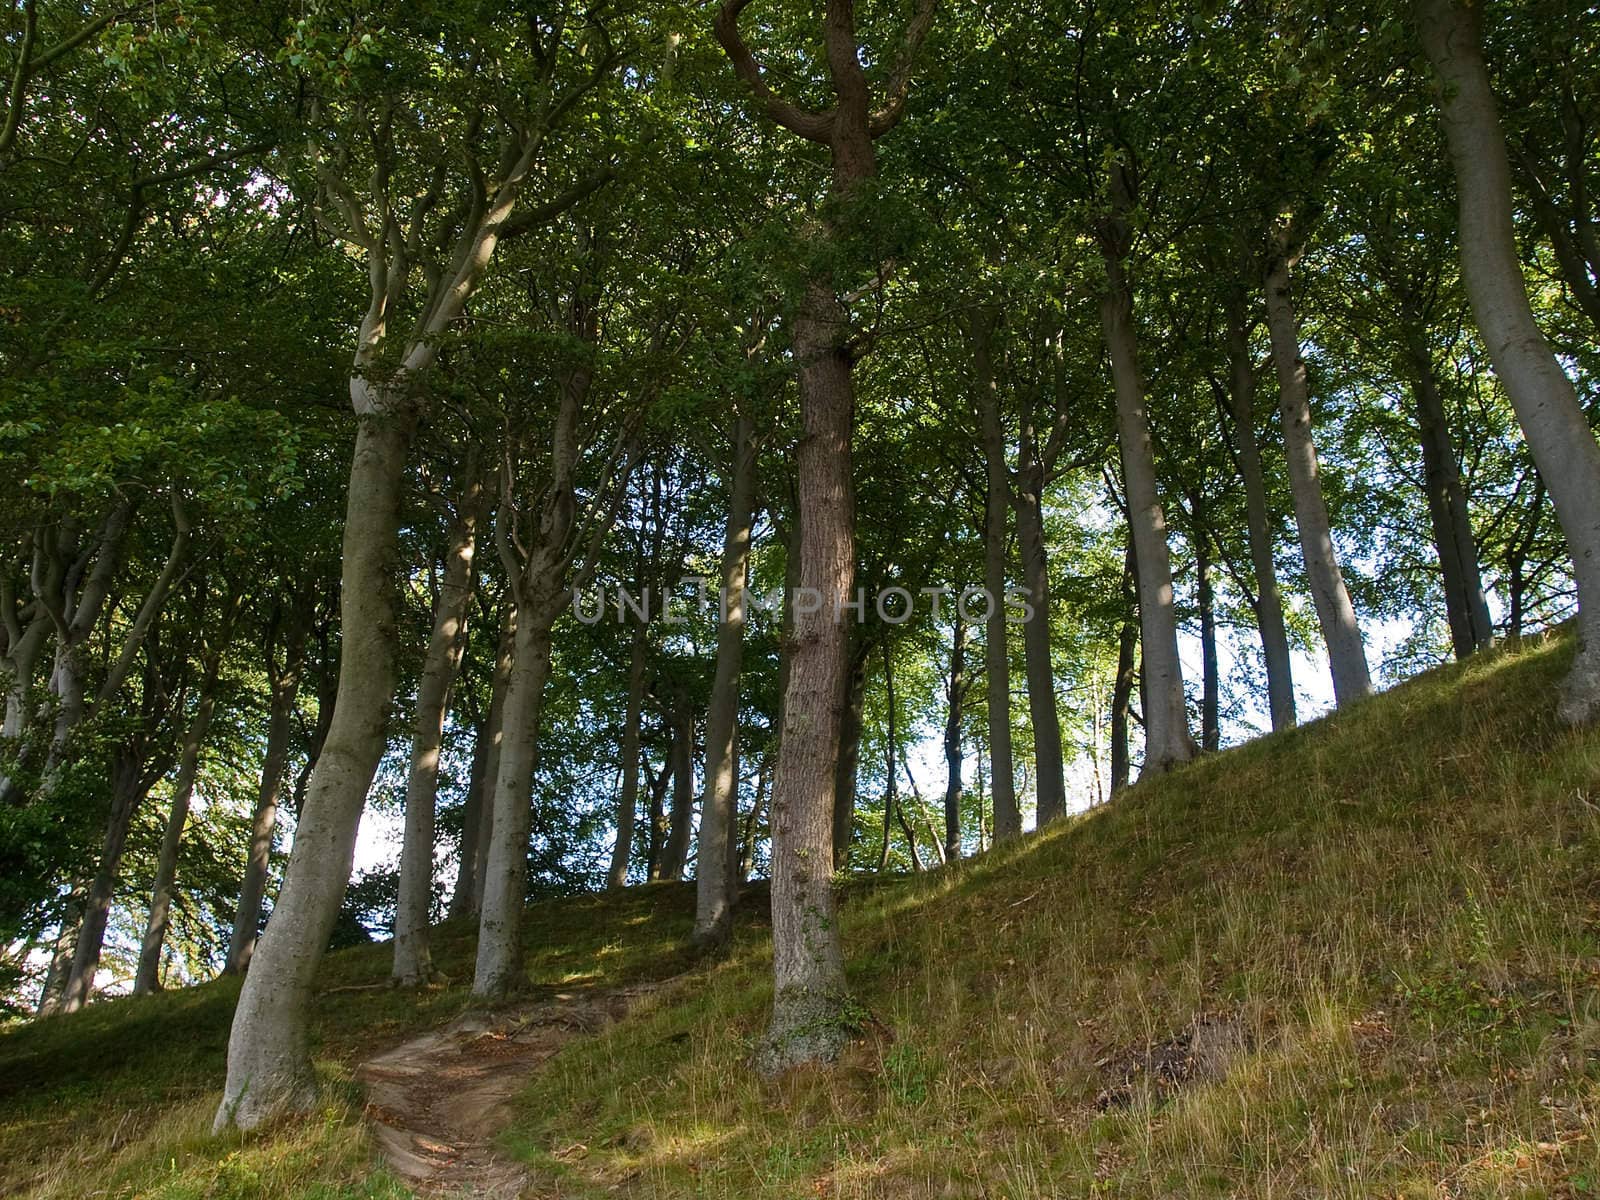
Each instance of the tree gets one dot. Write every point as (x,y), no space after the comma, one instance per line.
(1546,403)
(269,1069)
(808,967)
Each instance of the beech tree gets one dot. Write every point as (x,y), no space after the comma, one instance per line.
(1546,403)
(405,226)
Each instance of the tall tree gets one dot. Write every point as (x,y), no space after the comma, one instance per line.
(1545,401)
(719,811)
(413,960)
(808,966)
(405,225)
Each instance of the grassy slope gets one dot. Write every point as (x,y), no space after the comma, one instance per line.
(1383,926)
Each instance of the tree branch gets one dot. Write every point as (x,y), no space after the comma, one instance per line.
(815,127)
(899,86)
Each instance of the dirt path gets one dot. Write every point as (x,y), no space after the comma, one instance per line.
(436,1103)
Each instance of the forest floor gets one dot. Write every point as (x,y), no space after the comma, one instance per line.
(1359,959)
(438,1102)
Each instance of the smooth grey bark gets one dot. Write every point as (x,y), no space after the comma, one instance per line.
(1559,437)
(1050,788)
(1336,615)
(269,1071)
(327,697)
(269,1067)
(131,780)
(73,597)
(1166,721)
(498,971)
(628,797)
(1210,690)
(467,900)
(719,811)
(1267,603)
(675,853)
(996,650)
(269,1064)
(1127,665)
(1466,609)
(75,614)
(284,690)
(955,694)
(472,807)
(20,666)
(61,953)
(24,642)
(148,976)
(149,609)
(413,957)
(544,571)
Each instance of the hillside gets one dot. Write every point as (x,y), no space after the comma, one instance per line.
(1359,959)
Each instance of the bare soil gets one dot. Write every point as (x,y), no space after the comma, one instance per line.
(438,1102)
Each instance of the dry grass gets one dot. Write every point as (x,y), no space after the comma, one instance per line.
(117,1101)
(1356,960)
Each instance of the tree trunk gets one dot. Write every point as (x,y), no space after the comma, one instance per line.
(719,811)
(413,959)
(498,972)
(808,964)
(1268,600)
(60,968)
(1347,659)
(1546,404)
(269,1065)
(130,784)
(628,801)
(75,619)
(473,805)
(680,829)
(752,826)
(285,687)
(19,665)
(1166,721)
(327,698)
(1127,665)
(66,943)
(808,1011)
(658,813)
(1465,606)
(148,977)
(1211,686)
(891,788)
(955,695)
(996,652)
(494,734)
(1050,785)
(852,722)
